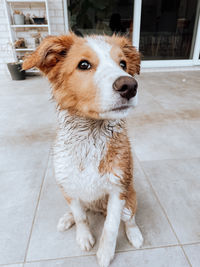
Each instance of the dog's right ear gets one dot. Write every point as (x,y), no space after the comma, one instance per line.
(50,52)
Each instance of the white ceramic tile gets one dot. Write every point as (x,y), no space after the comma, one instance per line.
(165,257)
(14,265)
(26,115)
(19,192)
(22,153)
(178,90)
(169,140)
(30,86)
(47,243)
(177,185)
(193,253)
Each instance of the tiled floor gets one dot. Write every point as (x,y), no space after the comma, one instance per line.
(165,134)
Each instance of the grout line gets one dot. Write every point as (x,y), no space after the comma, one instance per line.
(143,161)
(36,208)
(8,264)
(165,213)
(94,254)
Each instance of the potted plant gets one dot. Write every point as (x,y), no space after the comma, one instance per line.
(18,17)
(16,72)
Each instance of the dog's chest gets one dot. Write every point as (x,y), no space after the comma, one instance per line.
(80,146)
(77,167)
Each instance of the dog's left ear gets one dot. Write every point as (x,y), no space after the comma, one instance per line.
(133,58)
(131,54)
(50,52)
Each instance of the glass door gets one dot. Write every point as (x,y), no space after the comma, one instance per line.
(100,16)
(166,32)
(167,29)
(169,32)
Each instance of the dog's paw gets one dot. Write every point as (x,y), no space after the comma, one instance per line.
(65,222)
(84,239)
(104,256)
(134,236)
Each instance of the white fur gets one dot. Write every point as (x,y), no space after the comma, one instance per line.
(78,151)
(80,145)
(106,74)
(133,233)
(65,222)
(108,239)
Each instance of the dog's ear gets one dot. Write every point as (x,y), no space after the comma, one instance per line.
(133,58)
(132,55)
(51,51)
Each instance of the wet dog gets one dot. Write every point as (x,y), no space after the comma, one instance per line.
(94,88)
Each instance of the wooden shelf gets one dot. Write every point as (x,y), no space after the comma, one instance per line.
(25,1)
(30,26)
(24,49)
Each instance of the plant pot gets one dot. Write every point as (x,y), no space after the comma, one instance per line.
(39,20)
(19,19)
(16,71)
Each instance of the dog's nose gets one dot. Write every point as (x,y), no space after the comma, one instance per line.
(126,86)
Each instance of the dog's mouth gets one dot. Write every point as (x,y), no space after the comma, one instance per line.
(120,108)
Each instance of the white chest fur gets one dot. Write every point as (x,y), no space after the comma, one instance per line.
(80,146)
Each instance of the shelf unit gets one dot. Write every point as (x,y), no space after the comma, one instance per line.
(9,6)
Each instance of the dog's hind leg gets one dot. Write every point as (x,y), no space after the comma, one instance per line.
(83,235)
(128,216)
(65,222)
(77,215)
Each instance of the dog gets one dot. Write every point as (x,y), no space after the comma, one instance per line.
(94,87)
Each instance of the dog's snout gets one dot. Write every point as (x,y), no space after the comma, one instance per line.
(126,87)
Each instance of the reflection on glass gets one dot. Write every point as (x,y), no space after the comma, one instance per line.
(101,16)
(167,28)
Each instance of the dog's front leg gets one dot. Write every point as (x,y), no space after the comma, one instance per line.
(108,239)
(83,235)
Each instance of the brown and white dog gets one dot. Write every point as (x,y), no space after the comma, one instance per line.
(94,88)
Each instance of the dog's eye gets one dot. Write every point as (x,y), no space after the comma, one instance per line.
(84,65)
(123,64)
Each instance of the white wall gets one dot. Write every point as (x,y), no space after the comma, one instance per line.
(57,27)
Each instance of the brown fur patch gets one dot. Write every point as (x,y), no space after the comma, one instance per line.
(119,157)
(67,198)
(73,89)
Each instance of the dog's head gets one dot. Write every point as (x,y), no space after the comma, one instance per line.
(91,76)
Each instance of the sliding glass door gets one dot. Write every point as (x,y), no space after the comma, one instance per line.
(167,29)
(166,32)
(100,16)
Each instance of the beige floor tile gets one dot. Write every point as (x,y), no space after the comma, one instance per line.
(30,86)
(22,153)
(193,253)
(165,257)
(166,122)
(177,185)
(170,140)
(24,114)
(47,243)
(19,192)
(173,91)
